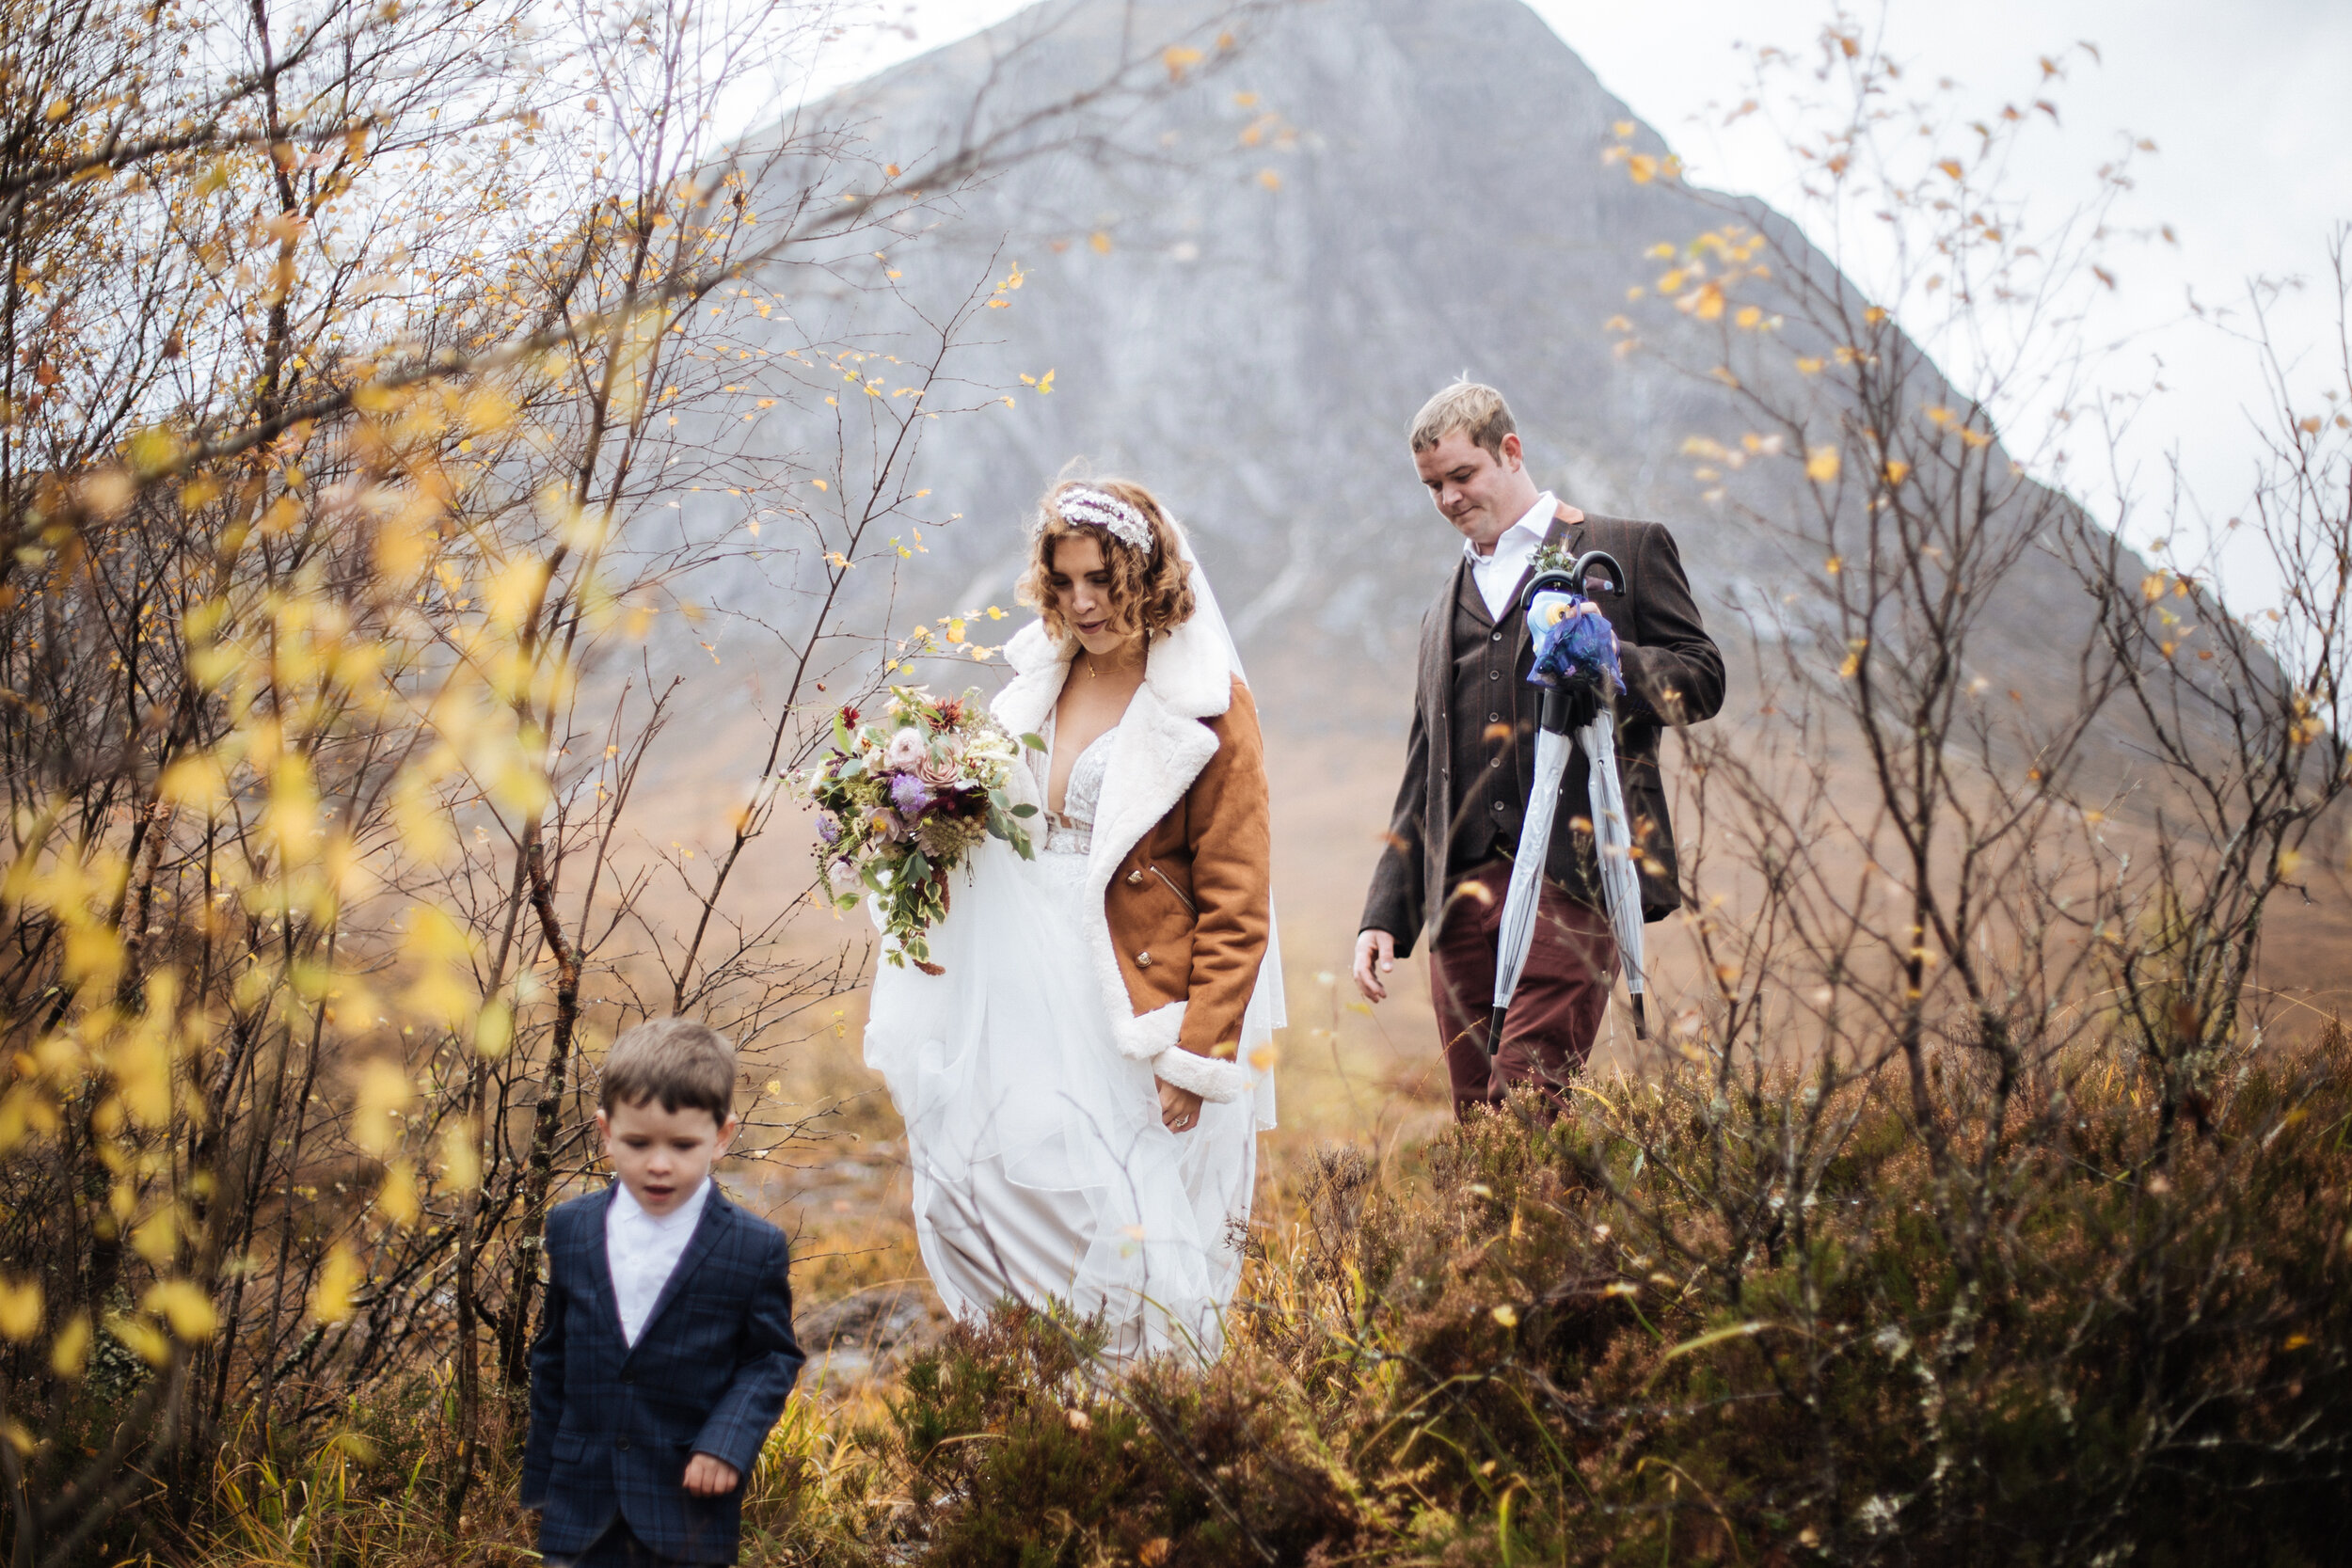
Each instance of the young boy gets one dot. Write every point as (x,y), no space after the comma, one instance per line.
(665,1350)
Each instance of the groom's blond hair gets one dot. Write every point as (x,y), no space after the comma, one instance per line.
(1467,405)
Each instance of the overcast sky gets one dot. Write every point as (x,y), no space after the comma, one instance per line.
(2247,105)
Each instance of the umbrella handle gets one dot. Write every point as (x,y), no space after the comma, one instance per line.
(1572,581)
(1494,1031)
(1603,562)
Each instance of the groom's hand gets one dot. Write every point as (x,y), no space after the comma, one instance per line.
(1375,956)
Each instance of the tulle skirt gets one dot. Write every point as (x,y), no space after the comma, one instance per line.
(1041,1168)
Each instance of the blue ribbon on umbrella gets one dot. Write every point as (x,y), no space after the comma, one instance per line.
(1578,672)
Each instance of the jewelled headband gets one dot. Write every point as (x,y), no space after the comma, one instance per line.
(1092,508)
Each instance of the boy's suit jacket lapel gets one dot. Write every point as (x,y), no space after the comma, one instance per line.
(716,1216)
(599,1261)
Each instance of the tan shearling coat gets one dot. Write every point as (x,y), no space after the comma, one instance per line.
(1182,854)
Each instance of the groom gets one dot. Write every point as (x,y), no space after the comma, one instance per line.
(1471,757)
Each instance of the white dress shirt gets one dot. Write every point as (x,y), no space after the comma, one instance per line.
(1498,571)
(642,1250)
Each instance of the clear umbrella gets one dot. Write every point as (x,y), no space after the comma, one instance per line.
(1572,658)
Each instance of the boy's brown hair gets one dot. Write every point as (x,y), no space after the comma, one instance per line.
(685,1064)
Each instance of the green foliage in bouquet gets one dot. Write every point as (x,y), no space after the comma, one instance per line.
(906,799)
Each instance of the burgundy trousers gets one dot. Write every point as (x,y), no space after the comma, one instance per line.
(1557,1009)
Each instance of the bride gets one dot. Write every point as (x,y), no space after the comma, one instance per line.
(1084,1083)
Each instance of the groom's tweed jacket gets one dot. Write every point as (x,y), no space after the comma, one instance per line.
(1469,764)
(612,1424)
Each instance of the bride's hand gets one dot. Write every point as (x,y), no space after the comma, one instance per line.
(1180,1109)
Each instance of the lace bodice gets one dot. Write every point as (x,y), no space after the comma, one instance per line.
(1070,830)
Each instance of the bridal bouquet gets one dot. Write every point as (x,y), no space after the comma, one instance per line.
(904,800)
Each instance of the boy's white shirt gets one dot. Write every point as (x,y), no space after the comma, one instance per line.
(642,1251)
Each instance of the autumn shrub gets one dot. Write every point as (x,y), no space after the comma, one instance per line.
(1538,1347)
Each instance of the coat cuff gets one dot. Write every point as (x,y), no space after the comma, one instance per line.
(1144,1038)
(1212,1080)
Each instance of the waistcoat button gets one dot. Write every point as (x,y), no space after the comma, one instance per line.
(1494,674)
(1495,638)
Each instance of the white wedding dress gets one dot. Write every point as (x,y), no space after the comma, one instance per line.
(1041,1167)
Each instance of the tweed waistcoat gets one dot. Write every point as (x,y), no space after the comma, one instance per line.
(1489,794)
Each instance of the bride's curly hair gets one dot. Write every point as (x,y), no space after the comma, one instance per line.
(1149,590)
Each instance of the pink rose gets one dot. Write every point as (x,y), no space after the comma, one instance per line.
(906,750)
(944,768)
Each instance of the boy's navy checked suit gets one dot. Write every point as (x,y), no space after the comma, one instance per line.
(612,1426)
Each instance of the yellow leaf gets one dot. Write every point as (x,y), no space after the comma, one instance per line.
(93,956)
(1269,179)
(152,450)
(1621,129)
(461,1156)
(1643,168)
(2290,862)
(1874,315)
(186,1308)
(157,1238)
(1820,464)
(1748,317)
(331,1298)
(1809,365)
(1950,166)
(494,1030)
(398,1196)
(1179,59)
(510,596)
(20,1309)
(384,1093)
(1897,471)
(417,818)
(1100,242)
(142,1338)
(1507,1315)
(68,1353)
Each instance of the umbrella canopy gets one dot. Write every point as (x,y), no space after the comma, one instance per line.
(1517,935)
(1613,846)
